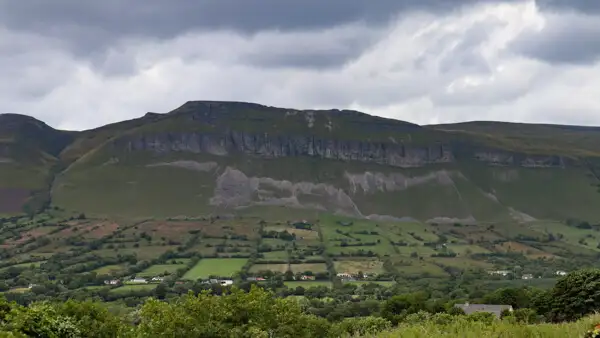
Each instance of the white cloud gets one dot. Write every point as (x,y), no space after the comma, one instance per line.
(423,68)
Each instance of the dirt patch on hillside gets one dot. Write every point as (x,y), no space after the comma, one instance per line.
(100,230)
(31,234)
(525,249)
(177,231)
(300,233)
(12,200)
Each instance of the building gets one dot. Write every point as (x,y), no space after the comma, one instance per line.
(344,275)
(226,282)
(305,277)
(496,310)
(158,279)
(561,273)
(138,281)
(112,282)
(503,273)
(527,276)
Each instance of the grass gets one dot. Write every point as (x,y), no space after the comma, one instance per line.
(384,283)
(275,255)
(109,269)
(307,284)
(134,287)
(160,270)
(269,267)
(222,267)
(498,329)
(23,265)
(355,266)
(314,267)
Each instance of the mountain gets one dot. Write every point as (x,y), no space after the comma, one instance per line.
(209,157)
(29,152)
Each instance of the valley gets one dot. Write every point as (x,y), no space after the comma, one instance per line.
(245,192)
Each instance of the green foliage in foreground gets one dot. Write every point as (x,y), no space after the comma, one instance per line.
(256,313)
(464,328)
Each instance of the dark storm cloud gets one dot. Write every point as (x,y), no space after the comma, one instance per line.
(583,6)
(92,23)
(567,39)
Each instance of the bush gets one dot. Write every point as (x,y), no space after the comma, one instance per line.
(256,313)
(482,317)
(360,326)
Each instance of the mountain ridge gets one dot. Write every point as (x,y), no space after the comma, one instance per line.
(313,159)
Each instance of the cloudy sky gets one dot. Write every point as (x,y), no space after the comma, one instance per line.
(80,64)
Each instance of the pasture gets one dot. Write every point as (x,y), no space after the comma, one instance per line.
(221,267)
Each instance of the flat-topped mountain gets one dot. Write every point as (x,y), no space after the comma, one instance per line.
(222,157)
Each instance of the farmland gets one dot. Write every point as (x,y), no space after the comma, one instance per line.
(329,249)
(220,267)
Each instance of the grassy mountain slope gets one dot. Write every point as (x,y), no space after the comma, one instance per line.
(179,177)
(28,158)
(206,157)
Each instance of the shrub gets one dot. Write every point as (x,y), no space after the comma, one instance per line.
(360,326)
(483,317)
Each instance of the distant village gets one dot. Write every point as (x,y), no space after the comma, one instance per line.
(507,273)
(344,277)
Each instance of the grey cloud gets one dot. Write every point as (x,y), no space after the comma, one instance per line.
(582,6)
(91,23)
(568,38)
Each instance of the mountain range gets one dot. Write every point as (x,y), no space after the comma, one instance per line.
(209,157)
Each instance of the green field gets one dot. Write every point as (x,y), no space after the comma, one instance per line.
(133,287)
(24,265)
(360,283)
(109,269)
(306,284)
(160,270)
(222,267)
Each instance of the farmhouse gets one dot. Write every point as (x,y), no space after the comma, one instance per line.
(561,273)
(112,282)
(344,275)
(158,279)
(496,310)
(499,272)
(138,280)
(527,276)
(223,282)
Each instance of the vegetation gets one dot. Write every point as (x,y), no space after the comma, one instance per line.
(100,215)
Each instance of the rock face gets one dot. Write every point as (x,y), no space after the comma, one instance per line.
(234,189)
(530,161)
(266,145)
(369,182)
(233,128)
(272,146)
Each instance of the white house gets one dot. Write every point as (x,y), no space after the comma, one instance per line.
(158,279)
(527,276)
(111,282)
(226,282)
(138,280)
(561,273)
(499,272)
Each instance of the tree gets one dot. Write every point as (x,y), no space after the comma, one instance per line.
(576,295)
(238,314)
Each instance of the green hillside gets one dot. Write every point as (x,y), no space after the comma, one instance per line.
(416,200)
